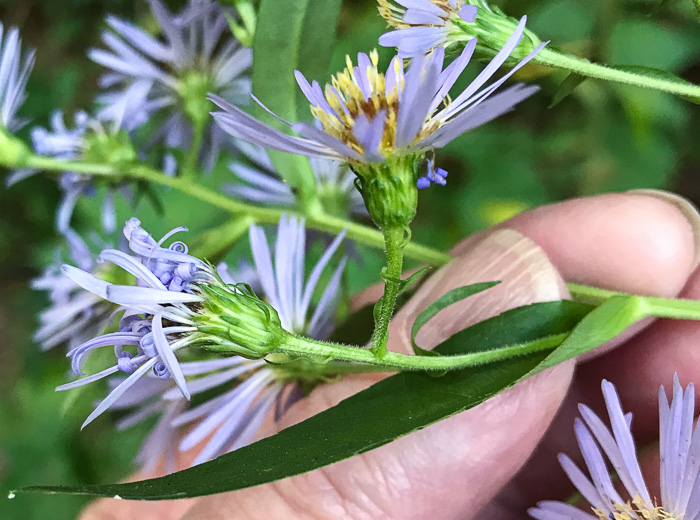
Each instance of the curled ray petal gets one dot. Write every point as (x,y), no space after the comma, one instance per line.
(87,281)
(113,338)
(167,356)
(131,265)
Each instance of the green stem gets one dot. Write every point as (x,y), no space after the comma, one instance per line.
(560,60)
(357,232)
(301,346)
(679,309)
(189,167)
(394,243)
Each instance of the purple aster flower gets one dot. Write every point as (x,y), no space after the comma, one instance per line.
(74,315)
(235,416)
(171,75)
(370,118)
(679,471)
(88,138)
(157,315)
(422,25)
(262,184)
(15,67)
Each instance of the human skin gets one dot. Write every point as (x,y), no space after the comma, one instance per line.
(498,459)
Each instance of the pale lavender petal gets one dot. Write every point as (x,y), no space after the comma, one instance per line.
(318,269)
(87,281)
(167,356)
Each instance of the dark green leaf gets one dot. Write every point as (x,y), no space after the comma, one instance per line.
(392,408)
(291,35)
(442,302)
(567,86)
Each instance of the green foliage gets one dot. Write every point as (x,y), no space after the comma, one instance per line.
(305,44)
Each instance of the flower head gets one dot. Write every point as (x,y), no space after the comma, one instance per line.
(422,25)
(262,184)
(368,116)
(179,302)
(15,67)
(173,75)
(679,471)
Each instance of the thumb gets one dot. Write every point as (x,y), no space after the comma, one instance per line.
(450,469)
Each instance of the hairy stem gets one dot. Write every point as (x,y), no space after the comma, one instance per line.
(301,346)
(394,244)
(560,60)
(675,308)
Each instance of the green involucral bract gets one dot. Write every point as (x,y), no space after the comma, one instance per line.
(492,29)
(389,190)
(115,149)
(235,321)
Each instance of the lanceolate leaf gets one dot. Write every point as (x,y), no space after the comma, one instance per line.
(291,35)
(604,323)
(394,407)
(570,83)
(442,302)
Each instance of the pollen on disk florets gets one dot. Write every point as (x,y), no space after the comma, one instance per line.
(362,91)
(635,510)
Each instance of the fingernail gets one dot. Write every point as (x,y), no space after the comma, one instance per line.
(524,271)
(686,207)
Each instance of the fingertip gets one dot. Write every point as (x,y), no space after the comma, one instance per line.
(633,242)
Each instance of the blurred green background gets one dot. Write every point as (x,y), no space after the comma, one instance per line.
(602,138)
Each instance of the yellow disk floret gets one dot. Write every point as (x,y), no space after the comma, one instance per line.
(636,510)
(346,98)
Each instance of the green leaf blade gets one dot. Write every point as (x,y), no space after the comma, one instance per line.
(291,35)
(394,407)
